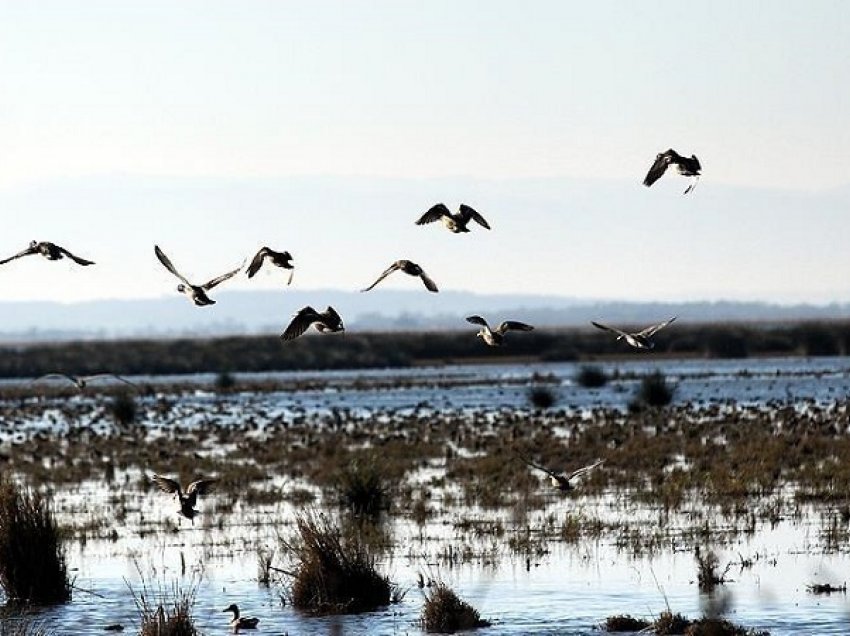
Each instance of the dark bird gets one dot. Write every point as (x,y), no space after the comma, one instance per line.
(189,498)
(326,322)
(688,167)
(561,480)
(410,268)
(495,337)
(50,251)
(637,339)
(82,381)
(456,223)
(196,293)
(278,259)
(240,622)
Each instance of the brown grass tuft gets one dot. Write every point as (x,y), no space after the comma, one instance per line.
(444,612)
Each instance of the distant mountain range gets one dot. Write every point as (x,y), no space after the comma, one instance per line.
(253,312)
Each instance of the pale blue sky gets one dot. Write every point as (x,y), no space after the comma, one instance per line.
(113,113)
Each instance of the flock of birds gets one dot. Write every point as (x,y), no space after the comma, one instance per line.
(329,321)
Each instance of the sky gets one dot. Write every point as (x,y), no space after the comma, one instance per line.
(326,128)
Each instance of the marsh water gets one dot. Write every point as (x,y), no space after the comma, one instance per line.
(563,587)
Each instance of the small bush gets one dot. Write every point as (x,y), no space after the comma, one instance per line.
(669,623)
(32,559)
(123,408)
(334,574)
(591,377)
(361,488)
(225,381)
(654,392)
(542,397)
(445,613)
(624,623)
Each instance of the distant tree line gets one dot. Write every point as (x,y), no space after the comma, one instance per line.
(397,349)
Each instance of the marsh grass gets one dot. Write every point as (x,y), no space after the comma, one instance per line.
(24,624)
(708,571)
(542,397)
(123,408)
(362,489)
(625,623)
(444,612)
(654,392)
(165,612)
(591,377)
(32,557)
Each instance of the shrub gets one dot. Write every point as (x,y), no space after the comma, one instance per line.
(225,381)
(123,408)
(542,397)
(444,612)
(32,558)
(624,623)
(361,488)
(654,392)
(591,377)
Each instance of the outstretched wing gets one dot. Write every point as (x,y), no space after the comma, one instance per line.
(386,273)
(113,376)
(659,167)
(607,328)
(331,318)
(477,320)
(650,331)
(220,279)
(26,252)
(167,485)
(58,376)
(434,214)
(537,466)
(200,487)
(513,325)
(300,323)
(467,213)
(76,259)
(167,262)
(257,261)
(585,469)
(429,284)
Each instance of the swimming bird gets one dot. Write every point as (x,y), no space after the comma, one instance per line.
(196,293)
(495,337)
(278,259)
(688,167)
(187,499)
(240,622)
(454,222)
(326,322)
(561,480)
(410,268)
(638,339)
(82,381)
(48,250)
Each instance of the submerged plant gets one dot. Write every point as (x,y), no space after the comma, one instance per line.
(444,612)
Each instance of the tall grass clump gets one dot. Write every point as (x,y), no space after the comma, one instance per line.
(32,558)
(334,572)
(123,408)
(591,377)
(24,625)
(166,613)
(225,381)
(444,612)
(542,397)
(654,392)
(362,488)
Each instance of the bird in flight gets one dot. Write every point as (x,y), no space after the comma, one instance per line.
(688,167)
(410,268)
(561,480)
(278,259)
(456,223)
(495,337)
(82,381)
(48,250)
(637,339)
(196,293)
(187,499)
(326,322)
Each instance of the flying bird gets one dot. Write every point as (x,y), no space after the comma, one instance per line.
(688,167)
(240,622)
(561,480)
(456,223)
(410,268)
(196,293)
(278,259)
(82,381)
(638,339)
(326,322)
(189,498)
(495,337)
(48,250)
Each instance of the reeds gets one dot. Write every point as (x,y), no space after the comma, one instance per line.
(542,397)
(362,489)
(625,623)
(24,625)
(591,377)
(165,612)
(444,612)
(654,392)
(32,558)
(123,408)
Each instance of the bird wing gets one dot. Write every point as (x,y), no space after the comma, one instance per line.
(659,166)
(434,214)
(386,273)
(585,469)
(200,486)
(467,213)
(76,259)
(650,331)
(220,279)
(477,320)
(167,262)
(430,284)
(514,325)
(607,328)
(300,323)
(98,376)
(257,261)
(536,466)
(331,318)
(26,252)
(167,485)
(59,376)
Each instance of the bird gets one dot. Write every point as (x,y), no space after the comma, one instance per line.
(688,167)
(196,293)
(240,622)
(82,381)
(410,268)
(561,480)
(495,337)
(278,259)
(456,223)
(48,250)
(638,339)
(187,499)
(326,322)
